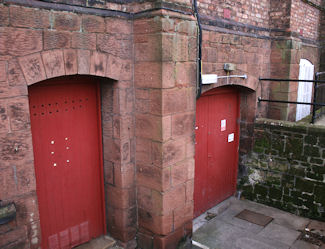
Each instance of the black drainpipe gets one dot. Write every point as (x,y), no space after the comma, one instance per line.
(199,54)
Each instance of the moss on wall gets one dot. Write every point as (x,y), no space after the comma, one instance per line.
(286,168)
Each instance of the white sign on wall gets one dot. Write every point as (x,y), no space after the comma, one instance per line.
(231,137)
(223,125)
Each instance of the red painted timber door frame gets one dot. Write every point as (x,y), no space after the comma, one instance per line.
(216,149)
(67,141)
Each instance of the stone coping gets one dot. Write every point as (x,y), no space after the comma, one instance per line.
(298,127)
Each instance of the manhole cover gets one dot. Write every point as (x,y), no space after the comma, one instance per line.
(253,217)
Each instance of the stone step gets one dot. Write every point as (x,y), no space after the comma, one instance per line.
(103,242)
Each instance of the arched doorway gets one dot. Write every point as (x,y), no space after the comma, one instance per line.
(216,149)
(66,131)
(305,89)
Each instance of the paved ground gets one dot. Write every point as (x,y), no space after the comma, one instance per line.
(103,242)
(285,231)
(321,121)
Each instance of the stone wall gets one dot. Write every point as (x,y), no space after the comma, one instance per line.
(145,55)
(108,7)
(164,80)
(251,56)
(145,63)
(39,44)
(286,54)
(286,168)
(295,32)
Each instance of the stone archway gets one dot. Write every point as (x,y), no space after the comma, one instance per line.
(58,62)
(117,100)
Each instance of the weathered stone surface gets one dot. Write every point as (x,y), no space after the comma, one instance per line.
(66,21)
(4,125)
(15,75)
(56,39)
(91,23)
(53,63)
(18,42)
(29,17)
(18,111)
(70,61)
(16,147)
(290,155)
(33,68)
(83,61)
(98,63)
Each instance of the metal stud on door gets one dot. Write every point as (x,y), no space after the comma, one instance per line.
(65,121)
(216,150)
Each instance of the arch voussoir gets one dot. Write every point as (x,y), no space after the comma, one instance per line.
(33,68)
(49,64)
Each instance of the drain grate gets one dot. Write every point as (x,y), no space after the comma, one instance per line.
(255,218)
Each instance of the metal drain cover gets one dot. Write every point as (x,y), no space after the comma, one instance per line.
(253,217)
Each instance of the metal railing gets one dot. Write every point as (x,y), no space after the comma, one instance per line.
(316,86)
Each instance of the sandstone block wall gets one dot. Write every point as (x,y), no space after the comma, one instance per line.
(144,55)
(165,85)
(39,44)
(286,168)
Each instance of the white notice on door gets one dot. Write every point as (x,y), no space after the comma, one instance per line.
(223,125)
(231,137)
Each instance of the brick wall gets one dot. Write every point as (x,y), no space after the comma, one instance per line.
(304,19)
(322,41)
(280,14)
(248,12)
(287,167)
(295,31)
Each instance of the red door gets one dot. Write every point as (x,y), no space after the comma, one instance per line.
(65,120)
(216,149)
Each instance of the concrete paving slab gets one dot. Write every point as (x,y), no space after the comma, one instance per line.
(253,243)
(215,233)
(300,244)
(225,231)
(218,209)
(280,233)
(103,242)
(218,234)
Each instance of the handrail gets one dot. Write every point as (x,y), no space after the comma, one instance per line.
(294,80)
(314,104)
(316,86)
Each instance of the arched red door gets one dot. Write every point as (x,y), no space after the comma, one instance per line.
(216,149)
(65,121)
